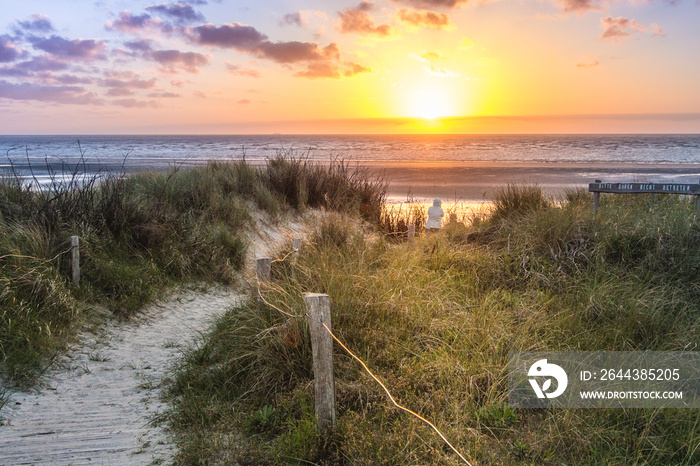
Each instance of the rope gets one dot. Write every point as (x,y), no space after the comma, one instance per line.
(36,258)
(376,379)
(392,398)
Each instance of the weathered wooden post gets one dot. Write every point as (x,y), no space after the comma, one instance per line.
(75,259)
(318,311)
(262,273)
(296,246)
(596,199)
(411,233)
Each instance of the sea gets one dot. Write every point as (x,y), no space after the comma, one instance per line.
(43,158)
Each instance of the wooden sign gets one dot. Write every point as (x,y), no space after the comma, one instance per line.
(658,188)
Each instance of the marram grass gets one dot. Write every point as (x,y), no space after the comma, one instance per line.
(435,321)
(139,234)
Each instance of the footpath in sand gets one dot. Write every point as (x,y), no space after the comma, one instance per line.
(97,404)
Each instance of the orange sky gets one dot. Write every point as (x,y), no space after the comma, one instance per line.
(389,66)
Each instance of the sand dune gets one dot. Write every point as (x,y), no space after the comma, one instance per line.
(96,405)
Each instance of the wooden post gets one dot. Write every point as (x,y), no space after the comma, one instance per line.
(411,233)
(262,273)
(296,246)
(318,311)
(75,259)
(596,199)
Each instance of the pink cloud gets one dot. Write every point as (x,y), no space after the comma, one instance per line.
(427,19)
(430,4)
(172,60)
(237,70)
(580,6)
(358,20)
(620,28)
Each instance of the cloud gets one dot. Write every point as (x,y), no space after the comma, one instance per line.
(231,35)
(291,52)
(244,102)
(248,39)
(142,46)
(430,56)
(134,83)
(118,92)
(48,77)
(580,6)
(180,12)
(620,28)
(37,23)
(332,70)
(430,4)
(591,64)
(177,83)
(304,18)
(435,70)
(57,94)
(245,72)
(427,19)
(466,43)
(292,19)
(355,68)
(172,60)
(134,24)
(427,57)
(76,49)
(8,50)
(320,61)
(656,30)
(169,60)
(320,70)
(164,95)
(358,20)
(35,65)
(133,103)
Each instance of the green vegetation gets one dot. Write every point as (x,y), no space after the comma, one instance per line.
(435,320)
(394,221)
(139,234)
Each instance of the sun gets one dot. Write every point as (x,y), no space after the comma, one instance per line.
(429,104)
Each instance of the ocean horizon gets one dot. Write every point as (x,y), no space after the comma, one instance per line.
(635,156)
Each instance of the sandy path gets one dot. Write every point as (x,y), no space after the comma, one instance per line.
(96,405)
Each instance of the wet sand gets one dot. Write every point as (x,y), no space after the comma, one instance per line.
(477,181)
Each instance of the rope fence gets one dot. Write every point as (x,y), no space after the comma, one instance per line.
(325,413)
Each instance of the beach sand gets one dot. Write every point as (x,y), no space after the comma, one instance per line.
(477,181)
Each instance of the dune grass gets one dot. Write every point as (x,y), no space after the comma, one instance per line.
(435,320)
(139,234)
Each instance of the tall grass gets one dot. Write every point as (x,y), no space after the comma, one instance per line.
(395,220)
(436,320)
(138,234)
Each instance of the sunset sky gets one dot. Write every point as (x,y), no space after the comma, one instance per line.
(387,66)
